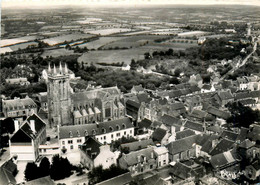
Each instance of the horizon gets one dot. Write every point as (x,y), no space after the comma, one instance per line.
(28,4)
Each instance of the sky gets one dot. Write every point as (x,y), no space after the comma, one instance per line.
(48,3)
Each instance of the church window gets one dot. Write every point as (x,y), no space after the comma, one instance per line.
(93,132)
(103,130)
(123,126)
(78,133)
(71,134)
(107,112)
(86,133)
(117,127)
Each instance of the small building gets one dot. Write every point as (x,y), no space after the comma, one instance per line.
(8,172)
(139,162)
(162,155)
(16,108)
(17,81)
(252,171)
(137,89)
(27,138)
(136,145)
(93,154)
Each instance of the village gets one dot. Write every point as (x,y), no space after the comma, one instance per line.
(124,101)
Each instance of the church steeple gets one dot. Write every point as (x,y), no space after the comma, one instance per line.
(54,69)
(49,68)
(60,68)
(66,68)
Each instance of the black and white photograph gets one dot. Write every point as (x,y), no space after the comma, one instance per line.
(130,92)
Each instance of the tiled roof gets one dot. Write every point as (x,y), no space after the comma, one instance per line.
(133,104)
(96,129)
(43,181)
(177,106)
(219,113)
(137,145)
(184,133)
(224,159)
(26,102)
(138,88)
(254,134)
(26,129)
(91,147)
(132,158)
(229,135)
(207,146)
(170,120)
(123,179)
(175,93)
(200,114)
(223,146)
(247,101)
(143,98)
(225,95)
(145,123)
(6,173)
(158,134)
(194,126)
(246,144)
(181,145)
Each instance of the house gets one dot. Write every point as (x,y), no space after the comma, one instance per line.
(126,67)
(17,81)
(247,150)
(185,133)
(223,146)
(43,180)
(207,88)
(160,135)
(252,171)
(183,149)
(227,164)
(144,126)
(136,89)
(139,162)
(8,172)
(18,108)
(136,145)
(198,128)
(26,140)
(135,110)
(42,99)
(93,154)
(254,133)
(218,113)
(162,155)
(70,137)
(224,97)
(123,179)
(201,40)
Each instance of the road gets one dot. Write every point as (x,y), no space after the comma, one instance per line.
(243,62)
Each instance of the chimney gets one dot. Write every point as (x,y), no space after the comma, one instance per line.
(138,158)
(16,125)
(32,123)
(172,130)
(152,155)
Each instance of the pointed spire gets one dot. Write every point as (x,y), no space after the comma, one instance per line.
(66,68)
(49,67)
(60,68)
(54,69)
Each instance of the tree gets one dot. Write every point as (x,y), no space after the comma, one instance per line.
(31,171)
(177,72)
(44,167)
(60,168)
(7,126)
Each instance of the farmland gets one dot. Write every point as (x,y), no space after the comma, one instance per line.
(109,31)
(57,52)
(112,56)
(8,42)
(69,37)
(100,42)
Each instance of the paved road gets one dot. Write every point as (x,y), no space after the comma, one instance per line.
(243,62)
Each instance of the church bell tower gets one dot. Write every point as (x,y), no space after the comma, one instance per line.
(59,99)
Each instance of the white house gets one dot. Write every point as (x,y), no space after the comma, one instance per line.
(26,140)
(162,154)
(70,137)
(93,154)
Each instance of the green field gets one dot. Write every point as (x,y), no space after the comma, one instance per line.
(57,52)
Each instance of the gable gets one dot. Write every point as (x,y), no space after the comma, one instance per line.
(20,137)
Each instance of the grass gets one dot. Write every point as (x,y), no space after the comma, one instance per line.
(22,45)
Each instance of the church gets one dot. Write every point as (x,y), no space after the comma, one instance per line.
(66,107)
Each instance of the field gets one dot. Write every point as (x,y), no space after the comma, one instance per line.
(100,42)
(57,52)
(132,41)
(22,45)
(112,56)
(60,39)
(8,42)
(109,31)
